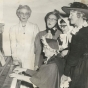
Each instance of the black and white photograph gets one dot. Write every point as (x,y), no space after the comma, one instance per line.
(43,43)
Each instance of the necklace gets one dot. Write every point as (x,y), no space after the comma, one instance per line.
(23,25)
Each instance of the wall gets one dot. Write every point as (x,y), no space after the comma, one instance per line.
(39,10)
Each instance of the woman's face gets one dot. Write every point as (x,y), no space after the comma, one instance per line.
(24,15)
(73,17)
(47,52)
(64,28)
(51,21)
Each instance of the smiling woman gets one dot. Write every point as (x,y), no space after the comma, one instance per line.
(23,12)
(77,60)
(22,37)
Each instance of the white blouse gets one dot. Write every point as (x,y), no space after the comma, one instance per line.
(22,43)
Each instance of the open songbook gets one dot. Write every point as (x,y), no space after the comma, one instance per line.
(2,60)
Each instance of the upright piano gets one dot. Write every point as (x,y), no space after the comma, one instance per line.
(7,68)
(5,80)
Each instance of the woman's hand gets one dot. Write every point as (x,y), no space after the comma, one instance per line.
(17,76)
(21,77)
(19,70)
(15,62)
(36,68)
(64,78)
(65,81)
(60,48)
(64,53)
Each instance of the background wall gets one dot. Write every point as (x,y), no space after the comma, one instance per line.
(39,10)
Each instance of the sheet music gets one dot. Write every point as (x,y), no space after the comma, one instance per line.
(2,60)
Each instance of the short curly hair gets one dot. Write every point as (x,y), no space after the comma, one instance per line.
(23,7)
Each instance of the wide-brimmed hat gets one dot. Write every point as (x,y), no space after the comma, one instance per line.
(78,6)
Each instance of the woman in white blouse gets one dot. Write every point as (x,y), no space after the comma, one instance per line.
(22,37)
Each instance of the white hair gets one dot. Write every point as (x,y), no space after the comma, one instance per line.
(23,7)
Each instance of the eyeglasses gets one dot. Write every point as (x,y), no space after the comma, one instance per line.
(24,13)
(52,19)
(62,26)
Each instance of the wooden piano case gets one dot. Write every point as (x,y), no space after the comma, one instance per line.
(5,80)
(5,70)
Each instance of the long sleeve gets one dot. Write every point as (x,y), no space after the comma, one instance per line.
(13,42)
(30,72)
(36,30)
(1,41)
(77,50)
(37,49)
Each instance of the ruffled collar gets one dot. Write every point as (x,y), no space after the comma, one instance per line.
(76,29)
(52,30)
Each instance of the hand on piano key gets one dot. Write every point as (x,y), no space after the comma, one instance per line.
(21,77)
(19,70)
(17,76)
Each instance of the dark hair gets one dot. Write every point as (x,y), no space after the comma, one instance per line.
(62,21)
(23,7)
(57,14)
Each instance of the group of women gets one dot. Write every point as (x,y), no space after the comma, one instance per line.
(65,50)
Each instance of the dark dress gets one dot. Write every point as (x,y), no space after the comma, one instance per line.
(78,60)
(39,55)
(48,75)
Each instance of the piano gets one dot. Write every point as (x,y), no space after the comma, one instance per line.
(5,80)
(7,68)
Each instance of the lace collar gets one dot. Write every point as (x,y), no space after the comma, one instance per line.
(76,29)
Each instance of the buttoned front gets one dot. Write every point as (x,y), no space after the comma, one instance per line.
(22,44)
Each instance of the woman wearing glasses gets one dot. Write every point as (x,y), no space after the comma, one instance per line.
(22,37)
(65,38)
(52,31)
